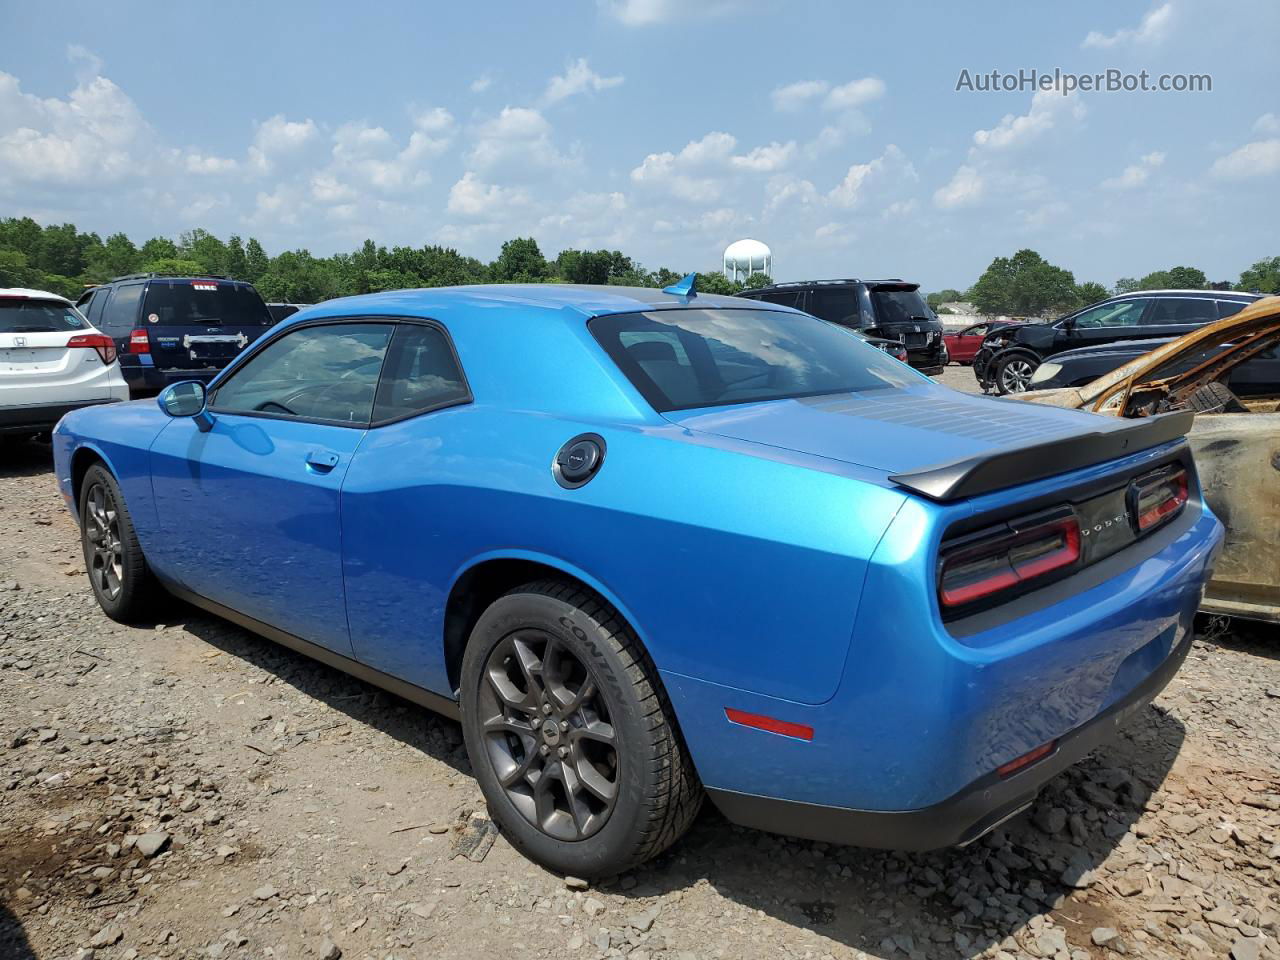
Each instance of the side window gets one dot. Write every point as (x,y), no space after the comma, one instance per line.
(327,372)
(786,298)
(1127,313)
(1182,312)
(836,305)
(121,312)
(96,303)
(420,374)
(1229,308)
(979,331)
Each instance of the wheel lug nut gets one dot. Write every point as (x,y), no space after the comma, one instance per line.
(564,752)
(564,726)
(545,749)
(546,708)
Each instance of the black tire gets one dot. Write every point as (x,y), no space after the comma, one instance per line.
(1012,372)
(656,791)
(118,572)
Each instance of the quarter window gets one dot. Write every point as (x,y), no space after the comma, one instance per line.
(1229,308)
(325,372)
(836,305)
(121,312)
(420,374)
(1183,312)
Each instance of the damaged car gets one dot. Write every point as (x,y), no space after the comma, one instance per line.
(1223,372)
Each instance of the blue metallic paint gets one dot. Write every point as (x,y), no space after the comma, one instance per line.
(759,551)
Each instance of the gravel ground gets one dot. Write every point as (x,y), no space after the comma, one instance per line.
(186,789)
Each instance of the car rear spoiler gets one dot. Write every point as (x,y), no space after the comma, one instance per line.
(1008,468)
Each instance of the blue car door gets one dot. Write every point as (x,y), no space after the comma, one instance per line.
(249,506)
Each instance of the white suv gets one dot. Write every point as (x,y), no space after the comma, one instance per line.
(51,361)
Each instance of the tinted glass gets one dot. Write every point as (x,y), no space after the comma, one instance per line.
(1127,313)
(420,374)
(1188,312)
(38,316)
(787,298)
(98,301)
(900,306)
(836,304)
(121,312)
(1229,308)
(680,359)
(320,373)
(205,303)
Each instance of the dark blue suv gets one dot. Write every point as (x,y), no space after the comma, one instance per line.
(172,328)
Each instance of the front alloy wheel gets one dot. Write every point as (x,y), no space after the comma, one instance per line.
(1014,375)
(118,572)
(104,550)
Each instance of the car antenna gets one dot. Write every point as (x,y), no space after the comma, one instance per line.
(685,288)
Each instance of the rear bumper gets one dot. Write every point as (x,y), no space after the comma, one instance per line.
(150,379)
(965,816)
(36,417)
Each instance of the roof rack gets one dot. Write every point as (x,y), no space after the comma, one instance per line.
(149,276)
(819,283)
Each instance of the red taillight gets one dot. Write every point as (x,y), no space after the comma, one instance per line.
(139,342)
(1026,760)
(1157,498)
(100,342)
(989,563)
(783,727)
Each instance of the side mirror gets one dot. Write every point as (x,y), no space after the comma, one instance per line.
(185,399)
(1069,324)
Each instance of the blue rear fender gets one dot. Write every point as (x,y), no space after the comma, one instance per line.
(921,713)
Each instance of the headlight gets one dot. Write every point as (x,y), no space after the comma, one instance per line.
(1046,371)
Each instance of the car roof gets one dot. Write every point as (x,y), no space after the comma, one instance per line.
(792,284)
(174,276)
(1210,294)
(552,298)
(24,292)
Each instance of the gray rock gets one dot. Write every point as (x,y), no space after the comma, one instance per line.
(328,950)
(592,907)
(1246,948)
(1101,936)
(106,937)
(1051,819)
(265,892)
(644,921)
(576,883)
(150,844)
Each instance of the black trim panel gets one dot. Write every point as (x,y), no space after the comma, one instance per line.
(401,688)
(959,820)
(36,417)
(1007,468)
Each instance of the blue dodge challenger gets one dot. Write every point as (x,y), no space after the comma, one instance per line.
(650,546)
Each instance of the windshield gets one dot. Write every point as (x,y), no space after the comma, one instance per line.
(39,316)
(900,306)
(205,303)
(681,359)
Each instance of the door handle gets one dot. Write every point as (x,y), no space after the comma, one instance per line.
(322,461)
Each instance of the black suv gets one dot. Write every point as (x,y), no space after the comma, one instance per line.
(170,328)
(889,309)
(1010,356)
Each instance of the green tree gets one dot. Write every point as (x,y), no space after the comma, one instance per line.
(1263,276)
(520,262)
(15,271)
(758,280)
(62,250)
(158,248)
(116,257)
(936,300)
(1175,278)
(177,265)
(1125,285)
(716,282)
(256,261)
(235,264)
(1023,285)
(1090,292)
(22,234)
(67,287)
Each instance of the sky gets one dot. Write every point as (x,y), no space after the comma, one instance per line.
(832,130)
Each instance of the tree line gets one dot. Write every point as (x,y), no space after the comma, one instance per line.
(63,260)
(1027,285)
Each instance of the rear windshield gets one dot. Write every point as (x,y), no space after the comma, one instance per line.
(681,359)
(204,303)
(900,306)
(39,316)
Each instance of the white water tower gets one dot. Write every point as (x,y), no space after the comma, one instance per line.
(742,258)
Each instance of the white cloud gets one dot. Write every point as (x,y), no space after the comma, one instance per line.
(854,94)
(276,137)
(785,190)
(964,189)
(1258,159)
(1135,175)
(577,78)
(1015,130)
(767,159)
(1153,28)
(482,83)
(517,141)
(1268,123)
(882,172)
(88,64)
(96,135)
(640,13)
(700,170)
(796,95)
(472,197)
(434,120)
(1051,214)
(196,162)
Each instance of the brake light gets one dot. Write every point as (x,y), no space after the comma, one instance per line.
(1157,498)
(100,342)
(1026,760)
(139,342)
(1020,551)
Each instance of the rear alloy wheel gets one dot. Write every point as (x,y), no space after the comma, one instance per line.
(1013,373)
(118,572)
(571,737)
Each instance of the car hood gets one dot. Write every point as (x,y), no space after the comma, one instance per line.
(896,430)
